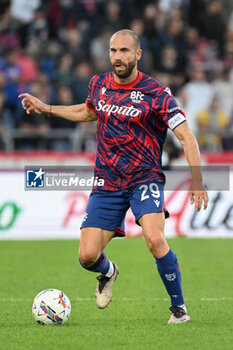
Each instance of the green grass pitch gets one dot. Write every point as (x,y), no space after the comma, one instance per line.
(137,317)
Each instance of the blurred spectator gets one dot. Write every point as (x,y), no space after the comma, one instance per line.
(63,74)
(150,20)
(12,74)
(228,58)
(73,12)
(64,97)
(170,10)
(48,89)
(163,78)
(191,41)
(168,5)
(68,13)
(89,141)
(4,15)
(230,21)
(35,126)
(169,62)
(73,44)
(38,33)
(48,66)
(210,123)
(53,18)
(196,8)
(173,36)
(211,24)
(99,49)
(4,127)
(2,131)
(112,20)
(205,55)
(22,13)
(6,113)
(196,96)
(80,81)
(169,68)
(145,64)
(223,91)
(4,6)
(27,66)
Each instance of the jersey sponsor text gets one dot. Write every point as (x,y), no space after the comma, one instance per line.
(114,109)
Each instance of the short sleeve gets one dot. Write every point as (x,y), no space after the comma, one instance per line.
(89,103)
(167,108)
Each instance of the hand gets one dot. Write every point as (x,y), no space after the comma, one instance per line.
(31,103)
(198,193)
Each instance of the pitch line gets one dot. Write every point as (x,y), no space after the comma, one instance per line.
(210,299)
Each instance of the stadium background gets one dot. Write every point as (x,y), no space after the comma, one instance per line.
(51,49)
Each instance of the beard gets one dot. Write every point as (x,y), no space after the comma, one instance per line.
(125,73)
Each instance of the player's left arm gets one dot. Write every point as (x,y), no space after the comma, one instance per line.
(197,191)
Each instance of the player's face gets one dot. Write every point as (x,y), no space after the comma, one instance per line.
(123,55)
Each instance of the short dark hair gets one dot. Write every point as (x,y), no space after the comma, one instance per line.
(132,34)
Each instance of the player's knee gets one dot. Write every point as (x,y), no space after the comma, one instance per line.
(88,258)
(156,242)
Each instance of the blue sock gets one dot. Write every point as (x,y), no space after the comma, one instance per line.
(101,265)
(169,270)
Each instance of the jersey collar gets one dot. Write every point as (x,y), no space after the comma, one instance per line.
(126,86)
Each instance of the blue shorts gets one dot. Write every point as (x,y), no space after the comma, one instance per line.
(107,209)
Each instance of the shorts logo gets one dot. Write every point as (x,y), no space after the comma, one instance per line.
(85,217)
(157,203)
(35,178)
(170,276)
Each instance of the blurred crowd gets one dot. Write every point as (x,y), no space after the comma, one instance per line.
(52,48)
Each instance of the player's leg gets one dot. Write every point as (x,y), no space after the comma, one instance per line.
(153,230)
(167,264)
(93,240)
(92,257)
(147,204)
(103,219)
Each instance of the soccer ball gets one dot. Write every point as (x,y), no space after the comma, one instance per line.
(51,306)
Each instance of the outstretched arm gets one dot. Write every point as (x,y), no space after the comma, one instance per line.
(76,113)
(197,190)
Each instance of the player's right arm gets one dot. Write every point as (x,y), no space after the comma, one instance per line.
(75,113)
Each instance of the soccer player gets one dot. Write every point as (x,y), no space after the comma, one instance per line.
(133,112)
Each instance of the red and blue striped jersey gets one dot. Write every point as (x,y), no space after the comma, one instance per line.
(132,122)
